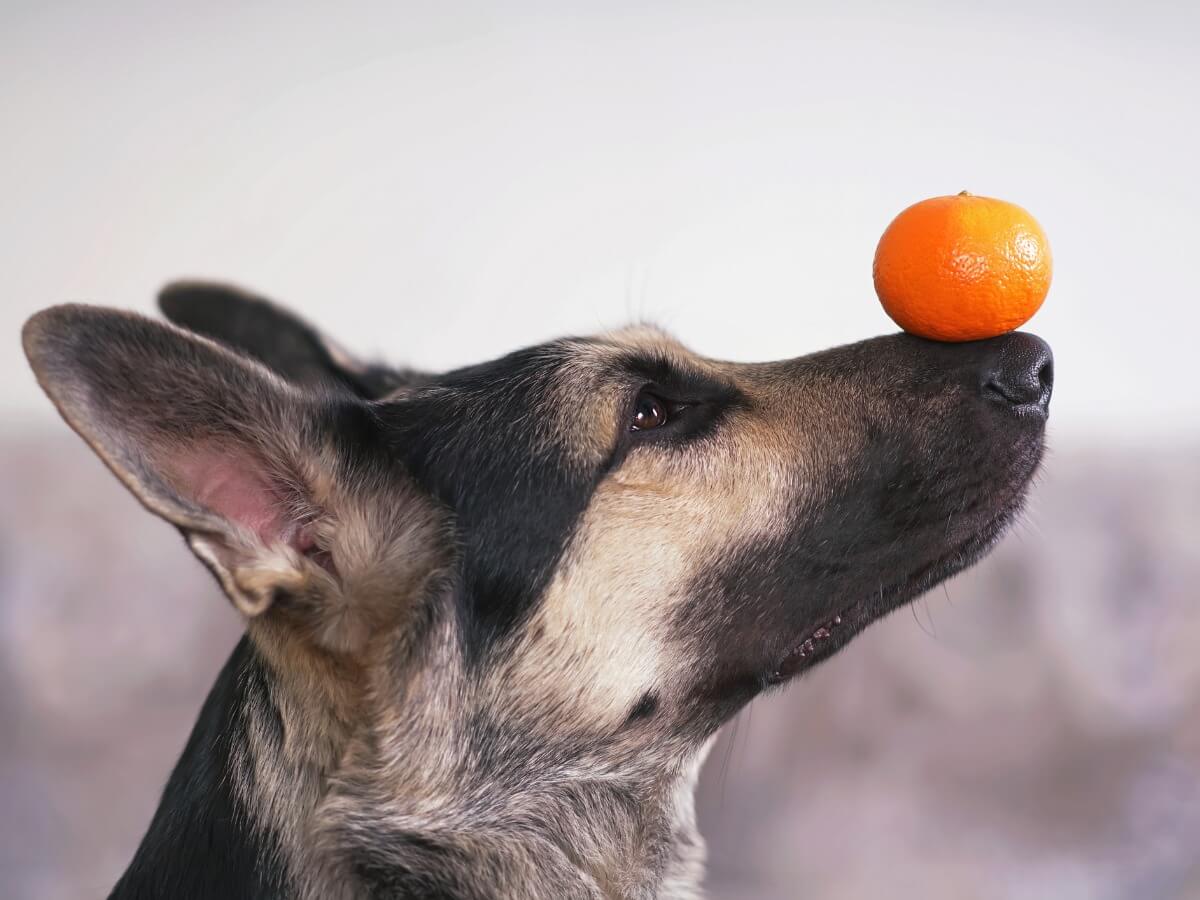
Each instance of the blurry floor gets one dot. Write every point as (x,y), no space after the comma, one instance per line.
(1031,732)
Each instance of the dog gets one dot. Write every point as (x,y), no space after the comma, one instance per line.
(495,617)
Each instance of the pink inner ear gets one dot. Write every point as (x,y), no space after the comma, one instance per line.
(233,485)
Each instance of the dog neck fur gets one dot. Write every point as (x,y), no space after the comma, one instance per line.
(392,779)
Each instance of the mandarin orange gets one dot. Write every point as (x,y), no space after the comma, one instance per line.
(962,268)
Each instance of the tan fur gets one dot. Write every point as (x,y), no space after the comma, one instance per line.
(600,636)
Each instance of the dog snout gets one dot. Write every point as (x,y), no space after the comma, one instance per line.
(1020,373)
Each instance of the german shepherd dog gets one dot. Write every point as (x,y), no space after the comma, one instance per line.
(495,617)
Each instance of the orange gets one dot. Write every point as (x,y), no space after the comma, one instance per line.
(962,268)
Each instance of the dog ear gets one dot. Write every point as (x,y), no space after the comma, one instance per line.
(276,337)
(288,496)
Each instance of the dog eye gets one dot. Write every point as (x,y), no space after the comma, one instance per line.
(649,412)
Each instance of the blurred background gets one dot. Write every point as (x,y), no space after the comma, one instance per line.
(437,184)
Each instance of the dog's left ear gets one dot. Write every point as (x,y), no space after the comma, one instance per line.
(290,497)
(277,338)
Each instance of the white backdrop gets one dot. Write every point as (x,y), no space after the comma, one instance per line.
(441,185)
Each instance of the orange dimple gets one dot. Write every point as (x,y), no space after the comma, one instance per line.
(962,268)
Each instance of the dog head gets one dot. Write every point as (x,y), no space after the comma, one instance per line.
(596,549)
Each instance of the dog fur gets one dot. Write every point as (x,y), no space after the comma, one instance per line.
(495,617)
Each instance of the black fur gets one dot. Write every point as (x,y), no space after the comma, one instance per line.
(484,453)
(644,708)
(200,845)
(275,337)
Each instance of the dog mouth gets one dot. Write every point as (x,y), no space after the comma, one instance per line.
(835,632)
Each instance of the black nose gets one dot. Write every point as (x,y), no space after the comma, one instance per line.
(1021,373)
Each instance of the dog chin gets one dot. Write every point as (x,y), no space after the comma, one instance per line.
(838,630)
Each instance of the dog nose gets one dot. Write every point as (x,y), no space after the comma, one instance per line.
(1021,373)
